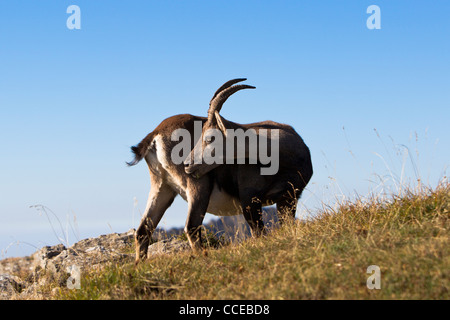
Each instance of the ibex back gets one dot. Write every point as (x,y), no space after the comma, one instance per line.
(223,186)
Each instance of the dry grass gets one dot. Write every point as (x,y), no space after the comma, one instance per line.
(323,258)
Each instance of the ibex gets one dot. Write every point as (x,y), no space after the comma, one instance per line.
(222,187)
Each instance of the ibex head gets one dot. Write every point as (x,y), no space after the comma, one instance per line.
(209,152)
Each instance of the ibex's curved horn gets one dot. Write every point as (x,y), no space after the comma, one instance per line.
(220,98)
(226,85)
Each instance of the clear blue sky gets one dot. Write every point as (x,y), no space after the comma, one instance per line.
(72,102)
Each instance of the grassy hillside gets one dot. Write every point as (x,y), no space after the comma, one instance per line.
(324,258)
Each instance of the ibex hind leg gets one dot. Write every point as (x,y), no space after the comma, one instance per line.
(286,208)
(252,210)
(287,202)
(158,201)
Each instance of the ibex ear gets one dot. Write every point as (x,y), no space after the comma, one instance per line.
(220,123)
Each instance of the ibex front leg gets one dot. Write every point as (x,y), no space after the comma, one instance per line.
(198,200)
(160,198)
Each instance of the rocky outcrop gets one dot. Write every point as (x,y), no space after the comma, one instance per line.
(24,278)
(167,246)
(58,266)
(9,286)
